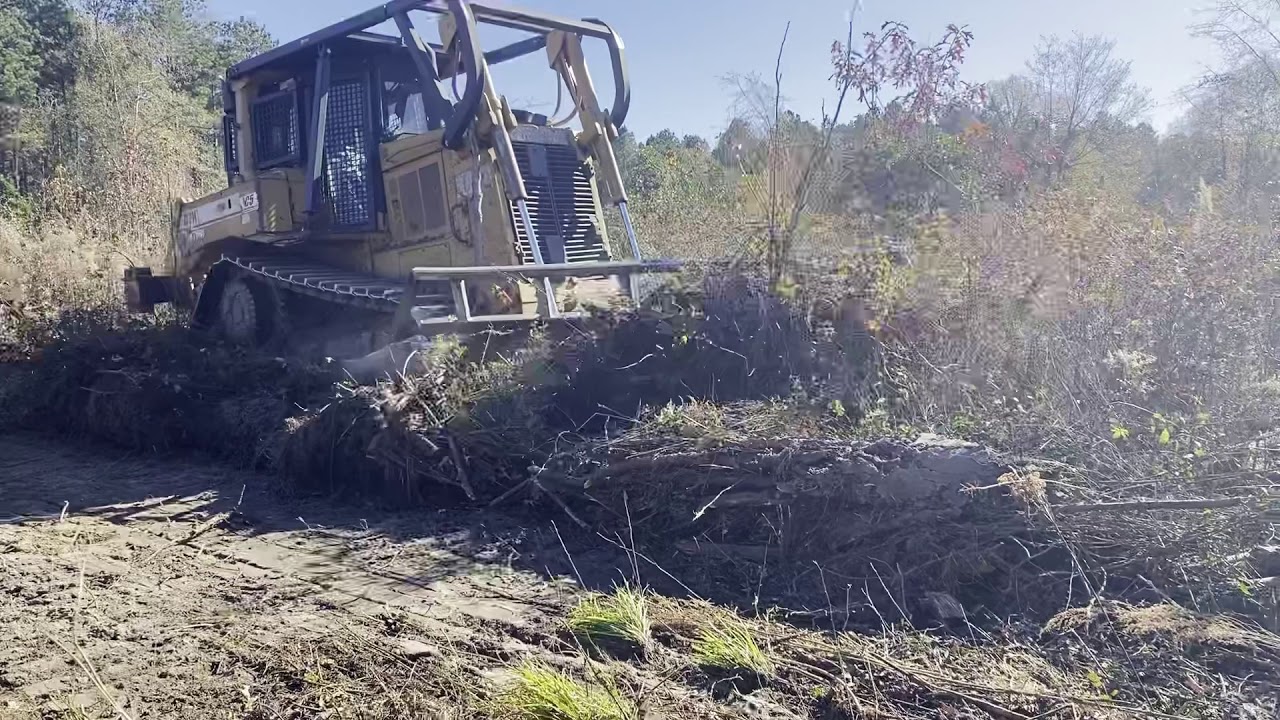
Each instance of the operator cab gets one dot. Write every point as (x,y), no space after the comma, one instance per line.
(324,105)
(374,95)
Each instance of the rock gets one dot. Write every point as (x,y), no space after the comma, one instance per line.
(415,649)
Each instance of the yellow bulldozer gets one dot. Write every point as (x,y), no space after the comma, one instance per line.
(379,187)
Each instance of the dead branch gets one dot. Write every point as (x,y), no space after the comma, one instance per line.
(461,470)
(196,532)
(1152,505)
(556,499)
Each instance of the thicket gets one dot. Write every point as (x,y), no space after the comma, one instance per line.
(1040,269)
(111,115)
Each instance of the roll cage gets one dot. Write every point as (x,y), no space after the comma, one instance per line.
(317,106)
(434,62)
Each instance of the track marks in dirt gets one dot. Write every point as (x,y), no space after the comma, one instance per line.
(175,582)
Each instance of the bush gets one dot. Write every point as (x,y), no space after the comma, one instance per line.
(1095,334)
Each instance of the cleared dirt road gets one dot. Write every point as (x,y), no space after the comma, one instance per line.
(143,588)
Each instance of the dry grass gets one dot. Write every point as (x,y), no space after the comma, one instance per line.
(621,617)
(1169,622)
(351,674)
(1012,672)
(540,692)
(731,647)
(1187,627)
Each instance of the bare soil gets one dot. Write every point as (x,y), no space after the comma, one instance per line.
(133,587)
(162,589)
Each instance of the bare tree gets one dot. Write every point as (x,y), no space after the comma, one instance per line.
(1243,29)
(1079,88)
(1013,102)
(1239,106)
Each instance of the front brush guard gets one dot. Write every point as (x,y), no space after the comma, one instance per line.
(422,280)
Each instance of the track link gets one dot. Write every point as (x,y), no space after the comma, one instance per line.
(337,285)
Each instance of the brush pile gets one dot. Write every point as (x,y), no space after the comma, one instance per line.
(757,503)
(158,389)
(718,432)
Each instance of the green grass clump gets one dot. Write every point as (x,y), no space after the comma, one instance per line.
(732,647)
(621,617)
(544,693)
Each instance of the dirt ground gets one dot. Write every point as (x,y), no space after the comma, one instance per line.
(134,587)
(143,588)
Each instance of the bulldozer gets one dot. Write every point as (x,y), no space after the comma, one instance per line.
(379,187)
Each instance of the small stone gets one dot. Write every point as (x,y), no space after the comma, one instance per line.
(414,649)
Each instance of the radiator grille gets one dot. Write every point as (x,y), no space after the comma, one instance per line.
(561,205)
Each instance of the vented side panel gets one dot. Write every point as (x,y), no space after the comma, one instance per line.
(561,204)
(421,200)
(415,221)
(433,201)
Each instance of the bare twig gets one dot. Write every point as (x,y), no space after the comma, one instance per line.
(82,660)
(196,532)
(556,499)
(1152,505)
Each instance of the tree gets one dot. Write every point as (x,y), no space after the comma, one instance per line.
(694,142)
(1243,29)
(194,50)
(1074,89)
(1013,104)
(639,177)
(40,37)
(19,61)
(1234,120)
(736,144)
(905,86)
(665,140)
(1232,141)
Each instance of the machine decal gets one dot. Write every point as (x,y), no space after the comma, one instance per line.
(220,209)
(541,135)
(190,240)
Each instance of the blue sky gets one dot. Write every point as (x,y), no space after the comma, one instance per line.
(679,50)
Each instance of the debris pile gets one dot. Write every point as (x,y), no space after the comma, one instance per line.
(159,390)
(717,432)
(875,523)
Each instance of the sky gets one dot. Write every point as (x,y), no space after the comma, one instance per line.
(680,51)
